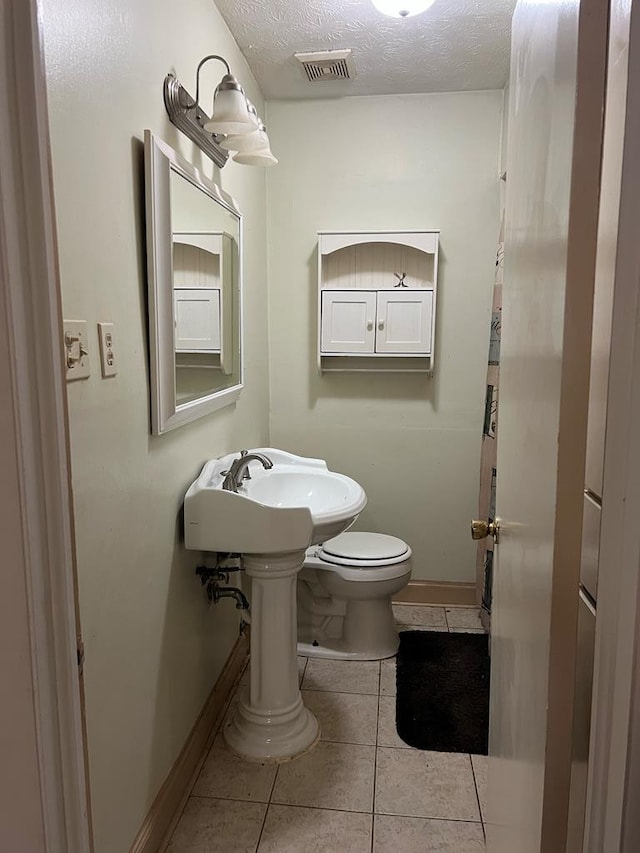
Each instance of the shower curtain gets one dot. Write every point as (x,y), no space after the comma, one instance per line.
(488,455)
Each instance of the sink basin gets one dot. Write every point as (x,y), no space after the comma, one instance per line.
(297,503)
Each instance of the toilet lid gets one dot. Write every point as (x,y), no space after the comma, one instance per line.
(364,549)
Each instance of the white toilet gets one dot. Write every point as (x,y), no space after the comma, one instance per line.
(344,594)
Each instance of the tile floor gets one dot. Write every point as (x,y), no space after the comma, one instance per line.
(361,790)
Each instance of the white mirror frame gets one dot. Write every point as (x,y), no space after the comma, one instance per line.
(160,160)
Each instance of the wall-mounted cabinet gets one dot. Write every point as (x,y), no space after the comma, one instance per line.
(202,297)
(377,299)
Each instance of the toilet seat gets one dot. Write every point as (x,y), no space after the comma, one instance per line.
(380,557)
(364,550)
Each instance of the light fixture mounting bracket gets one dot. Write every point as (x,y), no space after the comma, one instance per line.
(189,118)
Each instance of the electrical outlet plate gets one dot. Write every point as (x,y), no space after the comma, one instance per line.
(76,349)
(107,349)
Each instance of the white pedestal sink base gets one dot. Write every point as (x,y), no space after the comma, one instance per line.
(262,737)
(270,723)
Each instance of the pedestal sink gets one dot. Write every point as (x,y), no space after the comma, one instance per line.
(271,520)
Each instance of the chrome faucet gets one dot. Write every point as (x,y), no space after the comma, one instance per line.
(239,470)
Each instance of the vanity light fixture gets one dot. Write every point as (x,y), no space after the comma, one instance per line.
(234,120)
(402,8)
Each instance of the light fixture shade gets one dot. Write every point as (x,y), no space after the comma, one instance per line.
(230,114)
(255,158)
(256,141)
(402,8)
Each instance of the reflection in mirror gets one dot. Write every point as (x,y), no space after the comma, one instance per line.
(205,268)
(194,254)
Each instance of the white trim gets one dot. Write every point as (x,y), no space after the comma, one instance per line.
(160,160)
(613,796)
(31,289)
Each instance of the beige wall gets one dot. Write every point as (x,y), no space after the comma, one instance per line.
(153,646)
(393,162)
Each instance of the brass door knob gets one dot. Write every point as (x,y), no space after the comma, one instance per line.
(482,529)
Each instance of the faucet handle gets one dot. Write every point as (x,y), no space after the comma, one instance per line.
(242,453)
(245,474)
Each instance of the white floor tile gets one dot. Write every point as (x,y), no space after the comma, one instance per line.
(344,717)
(331,776)
(387,734)
(425,784)
(416,835)
(416,616)
(302,665)
(218,826)
(227,776)
(342,676)
(291,829)
(388,677)
(425,802)
(464,617)
(480,767)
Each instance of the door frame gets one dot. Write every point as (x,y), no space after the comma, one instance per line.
(613,786)
(37,448)
(30,293)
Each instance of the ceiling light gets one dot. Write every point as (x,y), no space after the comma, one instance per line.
(402,8)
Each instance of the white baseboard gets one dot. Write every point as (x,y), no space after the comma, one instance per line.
(160,821)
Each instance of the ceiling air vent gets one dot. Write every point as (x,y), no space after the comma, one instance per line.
(327,65)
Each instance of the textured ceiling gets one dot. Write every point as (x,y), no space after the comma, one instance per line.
(456,45)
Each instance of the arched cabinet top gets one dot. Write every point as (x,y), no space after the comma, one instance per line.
(207,241)
(333,241)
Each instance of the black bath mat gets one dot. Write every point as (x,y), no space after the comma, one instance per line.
(442,701)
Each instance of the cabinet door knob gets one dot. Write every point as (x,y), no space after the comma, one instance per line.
(369,326)
(381,325)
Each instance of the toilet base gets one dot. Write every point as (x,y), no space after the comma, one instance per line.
(336,650)
(344,607)
(368,633)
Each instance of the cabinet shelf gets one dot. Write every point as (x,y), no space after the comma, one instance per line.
(377,300)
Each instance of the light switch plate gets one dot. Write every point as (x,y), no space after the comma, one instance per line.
(76,349)
(107,349)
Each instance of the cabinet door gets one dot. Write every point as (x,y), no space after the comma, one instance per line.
(403,321)
(348,318)
(197,320)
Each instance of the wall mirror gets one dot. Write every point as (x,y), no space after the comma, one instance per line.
(194,259)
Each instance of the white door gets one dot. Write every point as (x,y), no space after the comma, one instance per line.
(348,321)
(403,321)
(197,320)
(554,151)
